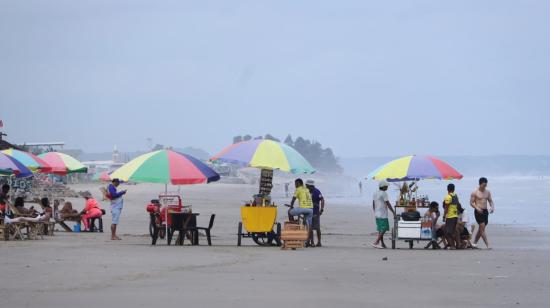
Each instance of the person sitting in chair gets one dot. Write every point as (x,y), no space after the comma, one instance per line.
(44,216)
(462,230)
(67,211)
(20,208)
(91,210)
(433,214)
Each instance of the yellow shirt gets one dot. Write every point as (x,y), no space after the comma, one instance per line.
(304,197)
(452,209)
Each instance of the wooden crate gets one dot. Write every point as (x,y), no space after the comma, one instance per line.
(297,235)
(292,244)
(291,225)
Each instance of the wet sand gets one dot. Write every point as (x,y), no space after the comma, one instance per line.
(90,270)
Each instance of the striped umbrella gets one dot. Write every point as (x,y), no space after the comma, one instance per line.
(265,154)
(11,166)
(415,167)
(62,163)
(168,167)
(29,160)
(102,176)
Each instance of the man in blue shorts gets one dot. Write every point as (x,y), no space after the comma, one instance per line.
(116,206)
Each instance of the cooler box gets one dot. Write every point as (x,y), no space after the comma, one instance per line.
(408,229)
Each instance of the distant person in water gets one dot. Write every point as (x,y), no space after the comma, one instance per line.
(116,206)
(482,202)
(360,188)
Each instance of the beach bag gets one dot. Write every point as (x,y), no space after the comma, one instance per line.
(105,192)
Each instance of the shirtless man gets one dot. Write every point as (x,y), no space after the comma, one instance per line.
(479,200)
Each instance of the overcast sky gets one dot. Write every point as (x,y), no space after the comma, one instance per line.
(366,78)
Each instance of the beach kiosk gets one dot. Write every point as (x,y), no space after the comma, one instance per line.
(406,171)
(259,216)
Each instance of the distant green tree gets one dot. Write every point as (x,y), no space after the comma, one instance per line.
(269,137)
(289,141)
(237,139)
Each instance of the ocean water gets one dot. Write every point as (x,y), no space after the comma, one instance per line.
(523,201)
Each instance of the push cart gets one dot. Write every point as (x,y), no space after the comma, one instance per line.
(410,231)
(258,223)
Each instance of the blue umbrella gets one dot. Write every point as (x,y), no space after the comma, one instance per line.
(11,166)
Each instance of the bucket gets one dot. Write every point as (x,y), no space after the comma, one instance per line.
(76,228)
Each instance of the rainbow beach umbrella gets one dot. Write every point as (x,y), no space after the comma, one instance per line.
(168,167)
(265,154)
(413,168)
(29,160)
(62,163)
(11,166)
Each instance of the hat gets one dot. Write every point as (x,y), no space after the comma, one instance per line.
(86,194)
(115,180)
(383,184)
(310,182)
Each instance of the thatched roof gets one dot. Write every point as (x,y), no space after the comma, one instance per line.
(6,145)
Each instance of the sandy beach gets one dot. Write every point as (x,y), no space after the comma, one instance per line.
(90,270)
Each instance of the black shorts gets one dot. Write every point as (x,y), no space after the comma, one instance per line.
(316,222)
(483,217)
(450,226)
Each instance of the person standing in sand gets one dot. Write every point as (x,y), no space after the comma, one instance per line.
(482,202)
(318,209)
(451,206)
(116,206)
(380,206)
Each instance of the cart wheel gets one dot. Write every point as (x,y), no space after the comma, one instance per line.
(263,239)
(239,233)
(411,244)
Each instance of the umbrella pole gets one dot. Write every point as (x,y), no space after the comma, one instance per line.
(166,212)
